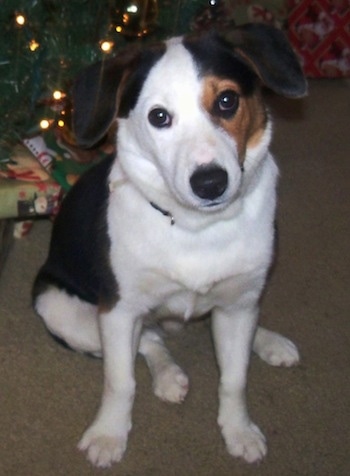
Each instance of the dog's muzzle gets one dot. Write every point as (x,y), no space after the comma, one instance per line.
(209,182)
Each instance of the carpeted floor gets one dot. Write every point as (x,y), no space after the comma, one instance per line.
(48,394)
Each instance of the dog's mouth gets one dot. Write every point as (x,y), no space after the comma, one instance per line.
(215,204)
(212,206)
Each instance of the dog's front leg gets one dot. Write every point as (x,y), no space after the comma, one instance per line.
(106,439)
(233,331)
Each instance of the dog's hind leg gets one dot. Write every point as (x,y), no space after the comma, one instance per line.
(70,319)
(275,349)
(170,383)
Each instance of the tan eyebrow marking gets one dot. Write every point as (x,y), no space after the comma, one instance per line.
(249,122)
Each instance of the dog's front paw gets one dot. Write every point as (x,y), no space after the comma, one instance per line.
(275,349)
(171,384)
(247,442)
(102,449)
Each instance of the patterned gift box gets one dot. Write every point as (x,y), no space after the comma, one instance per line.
(319,30)
(26,189)
(37,173)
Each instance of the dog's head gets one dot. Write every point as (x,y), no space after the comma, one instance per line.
(189,111)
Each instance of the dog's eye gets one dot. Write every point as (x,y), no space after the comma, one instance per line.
(160,117)
(226,104)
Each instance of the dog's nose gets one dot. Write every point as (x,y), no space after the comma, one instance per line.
(209,181)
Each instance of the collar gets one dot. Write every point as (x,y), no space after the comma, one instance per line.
(114,184)
(166,213)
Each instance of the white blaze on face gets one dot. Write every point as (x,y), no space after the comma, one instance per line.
(193,137)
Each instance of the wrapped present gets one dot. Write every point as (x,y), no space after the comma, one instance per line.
(226,13)
(38,172)
(26,189)
(58,153)
(21,199)
(319,30)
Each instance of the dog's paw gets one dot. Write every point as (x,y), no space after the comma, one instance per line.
(276,350)
(102,450)
(247,442)
(171,384)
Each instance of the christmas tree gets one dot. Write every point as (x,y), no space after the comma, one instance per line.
(44,43)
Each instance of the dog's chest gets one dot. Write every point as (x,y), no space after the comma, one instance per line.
(186,303)
(191,282)
(182,272)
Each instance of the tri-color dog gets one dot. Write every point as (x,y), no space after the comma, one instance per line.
(179,223)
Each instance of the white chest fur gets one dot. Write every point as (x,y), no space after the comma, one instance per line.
(184,271)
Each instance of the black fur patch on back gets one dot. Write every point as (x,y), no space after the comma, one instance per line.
(78,260)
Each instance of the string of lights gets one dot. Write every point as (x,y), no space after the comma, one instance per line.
(45,43)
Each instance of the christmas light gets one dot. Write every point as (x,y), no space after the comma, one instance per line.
(60,123)
(132,8)
(106,46)
(44,124)
(135,18)
(33,45)
(58,95)
(20,19)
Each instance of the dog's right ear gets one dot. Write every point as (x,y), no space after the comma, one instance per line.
(95,97)
(108,88)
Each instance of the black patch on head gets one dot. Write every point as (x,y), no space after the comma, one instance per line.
(214,56)
(141,68)
(267,51)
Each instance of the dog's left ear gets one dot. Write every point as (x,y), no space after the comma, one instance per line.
(267,51)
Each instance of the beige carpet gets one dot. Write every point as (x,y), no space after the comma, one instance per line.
(48,394)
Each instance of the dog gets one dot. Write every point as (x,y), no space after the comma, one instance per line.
(178,224)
